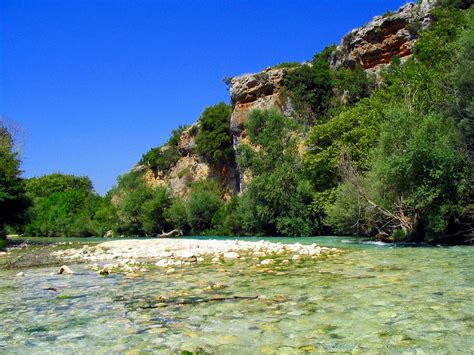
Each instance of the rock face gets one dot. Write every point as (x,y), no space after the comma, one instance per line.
(250,91)
(191,167)
(384,37)
(369,46)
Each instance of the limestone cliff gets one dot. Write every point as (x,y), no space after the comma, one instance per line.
(369,46)
(384,37)
(189,168)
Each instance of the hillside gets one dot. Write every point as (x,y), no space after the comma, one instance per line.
(370,137)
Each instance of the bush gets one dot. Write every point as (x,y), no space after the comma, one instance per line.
(64,206)
(277,199)
(177,215)
(140,209)
(214,140)
(165,157)
(204,202)
(310,89)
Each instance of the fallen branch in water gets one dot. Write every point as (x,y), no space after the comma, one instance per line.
(197,301)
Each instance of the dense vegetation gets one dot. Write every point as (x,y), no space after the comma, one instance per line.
(13,200)
(214,140)
(64,206)
(392,158)
(164,157)
(317,91)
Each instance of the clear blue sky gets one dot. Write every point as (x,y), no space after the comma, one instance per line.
(95,84)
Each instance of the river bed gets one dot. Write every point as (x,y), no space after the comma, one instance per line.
(371,298)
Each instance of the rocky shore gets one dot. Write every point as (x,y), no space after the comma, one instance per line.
(131,256)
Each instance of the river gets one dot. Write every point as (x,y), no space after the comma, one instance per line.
(372,298)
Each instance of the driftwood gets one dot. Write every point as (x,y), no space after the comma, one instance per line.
(173,233)
(196,301)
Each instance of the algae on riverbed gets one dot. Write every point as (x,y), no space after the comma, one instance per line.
(378,299)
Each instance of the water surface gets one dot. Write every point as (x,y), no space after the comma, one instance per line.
(373,298)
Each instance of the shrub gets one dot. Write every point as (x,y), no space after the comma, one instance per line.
(214,140)
(276,200)
(165,157)
(203,203)
(309,88)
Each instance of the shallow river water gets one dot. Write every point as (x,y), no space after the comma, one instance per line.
(372,298)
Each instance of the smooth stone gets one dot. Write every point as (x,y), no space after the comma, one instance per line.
(65,270)
(21,273)
(267,262)
(231,255)
(170,271)
(286,261)
(296,257)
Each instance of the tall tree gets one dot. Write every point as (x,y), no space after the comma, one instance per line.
(13,201)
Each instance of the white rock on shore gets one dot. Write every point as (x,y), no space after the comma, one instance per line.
(168,253)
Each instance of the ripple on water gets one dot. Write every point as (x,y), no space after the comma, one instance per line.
(369,299)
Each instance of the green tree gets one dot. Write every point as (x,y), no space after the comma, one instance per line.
(140,209)
(64,206)
(203,205)
(177,215)
(13,201)
(310,87)
(277,199)
(214,139)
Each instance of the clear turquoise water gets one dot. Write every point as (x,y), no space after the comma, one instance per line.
(373,298)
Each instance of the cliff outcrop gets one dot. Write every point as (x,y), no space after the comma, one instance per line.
(189,168)
(369,46)
(383,38)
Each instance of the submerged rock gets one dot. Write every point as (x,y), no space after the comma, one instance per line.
(267,262)
(65,270)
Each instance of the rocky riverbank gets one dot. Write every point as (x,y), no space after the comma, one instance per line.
(131,256)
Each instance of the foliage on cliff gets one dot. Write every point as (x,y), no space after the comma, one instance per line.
(416,179)
(214,140)
(164,157)
(316,89)
(276,200)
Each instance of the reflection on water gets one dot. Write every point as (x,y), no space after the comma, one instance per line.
(373,297)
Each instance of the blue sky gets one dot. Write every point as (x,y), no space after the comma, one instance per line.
(94,84)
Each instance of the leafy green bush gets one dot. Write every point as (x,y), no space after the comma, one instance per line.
(316,89)
(140,209)
(64,206)
(309,88)
(277,199)
(165,157)
(214,139)
(177,215)
(204,202)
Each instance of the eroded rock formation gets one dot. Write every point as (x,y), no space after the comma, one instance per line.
(384,37)
(191,167)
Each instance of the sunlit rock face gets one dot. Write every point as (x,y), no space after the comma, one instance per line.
(190,168)
(384,37)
